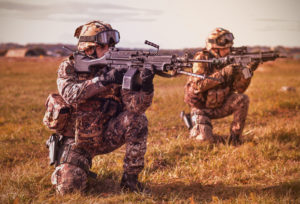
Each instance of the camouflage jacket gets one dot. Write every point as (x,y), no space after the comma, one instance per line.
(208,93)
(93,105)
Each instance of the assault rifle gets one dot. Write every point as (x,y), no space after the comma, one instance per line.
(133,61)
(241,57)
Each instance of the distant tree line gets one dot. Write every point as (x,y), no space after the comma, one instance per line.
(58,50)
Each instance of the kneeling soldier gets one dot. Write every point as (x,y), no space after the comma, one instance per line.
(211,99)
(100,116)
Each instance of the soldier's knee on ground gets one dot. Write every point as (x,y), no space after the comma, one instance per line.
(201,132)
(68,178)
(202,128)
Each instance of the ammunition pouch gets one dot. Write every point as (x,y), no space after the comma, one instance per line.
(57,112)
(91,119)
(216,97)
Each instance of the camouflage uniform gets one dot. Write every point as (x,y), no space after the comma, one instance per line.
(102,119)
(211,99)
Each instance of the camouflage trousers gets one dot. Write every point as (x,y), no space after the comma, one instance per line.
(236,104)
(127,128)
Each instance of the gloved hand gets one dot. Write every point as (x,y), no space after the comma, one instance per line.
(112,77)
(147,76)
(253,66)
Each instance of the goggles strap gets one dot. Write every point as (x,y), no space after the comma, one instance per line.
(106,27)
(211,40)
(87,38)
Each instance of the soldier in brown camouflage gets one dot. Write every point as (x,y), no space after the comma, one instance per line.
(102,116)
(211,99)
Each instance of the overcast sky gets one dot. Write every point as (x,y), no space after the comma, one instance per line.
(169,23)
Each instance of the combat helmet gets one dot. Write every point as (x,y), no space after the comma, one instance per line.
(96,33)
(219,38)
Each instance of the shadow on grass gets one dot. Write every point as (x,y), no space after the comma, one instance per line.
(169,159)
(105,185)
(208,193)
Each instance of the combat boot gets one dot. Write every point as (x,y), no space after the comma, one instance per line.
(130,182)
(234,140)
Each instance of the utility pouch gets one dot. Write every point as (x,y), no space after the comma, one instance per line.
(91,119)
(57,112)
(216,97)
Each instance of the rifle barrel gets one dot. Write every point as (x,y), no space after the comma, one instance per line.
(208,61)
(197,75)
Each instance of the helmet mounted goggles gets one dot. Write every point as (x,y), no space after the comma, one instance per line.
(103,37)
(223,39)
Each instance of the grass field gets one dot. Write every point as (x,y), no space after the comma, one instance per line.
(265,169)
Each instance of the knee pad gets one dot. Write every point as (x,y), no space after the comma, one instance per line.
(202,128)
(68,178)
(201,119)
(201,132)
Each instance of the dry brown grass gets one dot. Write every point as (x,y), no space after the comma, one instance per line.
(265,169)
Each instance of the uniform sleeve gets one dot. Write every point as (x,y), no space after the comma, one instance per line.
(200,68)
(201,85)
(240,84)
(136,102)
(72,91)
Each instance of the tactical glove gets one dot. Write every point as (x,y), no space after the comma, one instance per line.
(112,77)
(253,66)
(147,76)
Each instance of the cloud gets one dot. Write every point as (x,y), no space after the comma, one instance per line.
(75,11)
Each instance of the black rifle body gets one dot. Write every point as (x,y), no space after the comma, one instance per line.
(133,61)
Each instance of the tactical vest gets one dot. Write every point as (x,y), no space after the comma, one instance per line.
(212,98)
(87,120)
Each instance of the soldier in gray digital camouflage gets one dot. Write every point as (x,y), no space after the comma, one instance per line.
(92,115)
(211,99)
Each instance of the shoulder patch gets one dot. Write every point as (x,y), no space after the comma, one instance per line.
(69,70)
(65,69)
